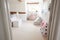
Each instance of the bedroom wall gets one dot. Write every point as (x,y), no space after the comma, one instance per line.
(42,6)
(15,5)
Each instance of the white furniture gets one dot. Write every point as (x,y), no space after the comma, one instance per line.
(14,22)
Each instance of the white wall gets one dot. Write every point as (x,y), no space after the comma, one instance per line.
(15,5)
(42,6)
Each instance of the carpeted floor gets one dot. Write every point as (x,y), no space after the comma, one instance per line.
(27,31)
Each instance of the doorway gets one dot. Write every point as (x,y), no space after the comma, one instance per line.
(29,19)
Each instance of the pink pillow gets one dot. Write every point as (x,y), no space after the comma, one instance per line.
(43,24)
(32,17)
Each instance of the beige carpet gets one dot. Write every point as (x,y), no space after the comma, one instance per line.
(27,31)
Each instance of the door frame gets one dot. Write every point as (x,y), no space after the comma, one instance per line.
(52,22)
(53,19)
